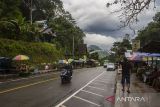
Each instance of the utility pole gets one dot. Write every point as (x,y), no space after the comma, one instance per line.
(73,47)
(31,12)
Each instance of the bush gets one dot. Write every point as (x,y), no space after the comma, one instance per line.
(38,52)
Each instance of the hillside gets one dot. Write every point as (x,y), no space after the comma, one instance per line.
(93,47)
(38,52)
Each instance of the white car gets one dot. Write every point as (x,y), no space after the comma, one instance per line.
(110,67)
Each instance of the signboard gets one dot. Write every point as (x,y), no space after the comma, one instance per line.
(135,45)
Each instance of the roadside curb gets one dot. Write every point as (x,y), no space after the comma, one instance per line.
(115,88)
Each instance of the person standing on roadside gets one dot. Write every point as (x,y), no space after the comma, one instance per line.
(126,72)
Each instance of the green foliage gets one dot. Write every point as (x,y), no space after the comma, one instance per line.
(65,31)
(38,52)
(94,56)
(9,9)
(119,48)
(151,32)
(15,26)
(113,58)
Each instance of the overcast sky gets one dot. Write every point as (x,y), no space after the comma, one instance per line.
(99,24)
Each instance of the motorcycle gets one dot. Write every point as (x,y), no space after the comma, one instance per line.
(65,76)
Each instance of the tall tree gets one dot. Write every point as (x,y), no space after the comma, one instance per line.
(66,31)
(9,9)
(151,32)
(119,48)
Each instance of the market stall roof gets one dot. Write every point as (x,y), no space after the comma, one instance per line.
(142,56)
(151,47)
(155,55)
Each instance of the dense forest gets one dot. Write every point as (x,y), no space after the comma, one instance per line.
(38,21)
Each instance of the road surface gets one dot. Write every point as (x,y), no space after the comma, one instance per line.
(89,88)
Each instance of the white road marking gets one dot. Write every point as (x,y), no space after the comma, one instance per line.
(86,100)
(98,83)
(63,106)
(50,88)
(96,88)
(102,81)
(92,93)
(78,90)
(105,79)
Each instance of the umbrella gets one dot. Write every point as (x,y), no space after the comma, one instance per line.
(21,58)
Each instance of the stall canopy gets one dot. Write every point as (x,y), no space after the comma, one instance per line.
(151,47)
(142,56)
(138,56)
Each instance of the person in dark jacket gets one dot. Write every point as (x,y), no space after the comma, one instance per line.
(126,72)
(69,68)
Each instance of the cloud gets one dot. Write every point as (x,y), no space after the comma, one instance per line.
(95,19)
(105,42)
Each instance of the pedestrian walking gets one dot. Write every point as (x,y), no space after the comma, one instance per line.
(126,72)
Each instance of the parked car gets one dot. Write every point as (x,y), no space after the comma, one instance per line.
(110,67)
(105,65)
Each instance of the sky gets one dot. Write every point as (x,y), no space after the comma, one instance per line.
(99,25)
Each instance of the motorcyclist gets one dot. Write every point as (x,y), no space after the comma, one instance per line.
(68,67)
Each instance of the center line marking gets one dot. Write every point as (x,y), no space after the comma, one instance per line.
(92,93)
(96,88)
(61,103)
(86,101)
(24,86)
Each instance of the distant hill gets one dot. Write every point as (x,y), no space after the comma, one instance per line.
(93,47)
(101,53)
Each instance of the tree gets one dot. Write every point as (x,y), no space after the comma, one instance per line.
(9,9)
(130,9)
(119,48)
(65,30)
(94,56)
(151,32)
(15,17)
(42,9)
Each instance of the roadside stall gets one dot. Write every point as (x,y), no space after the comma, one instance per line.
(21,65)
(153,60)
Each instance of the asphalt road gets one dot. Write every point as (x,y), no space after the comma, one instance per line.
(89,88)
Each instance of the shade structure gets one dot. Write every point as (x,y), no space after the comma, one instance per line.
(143,56)
(136,58)
(155,55)
(20,58)
(147,58)
(70,60)
(62,61)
